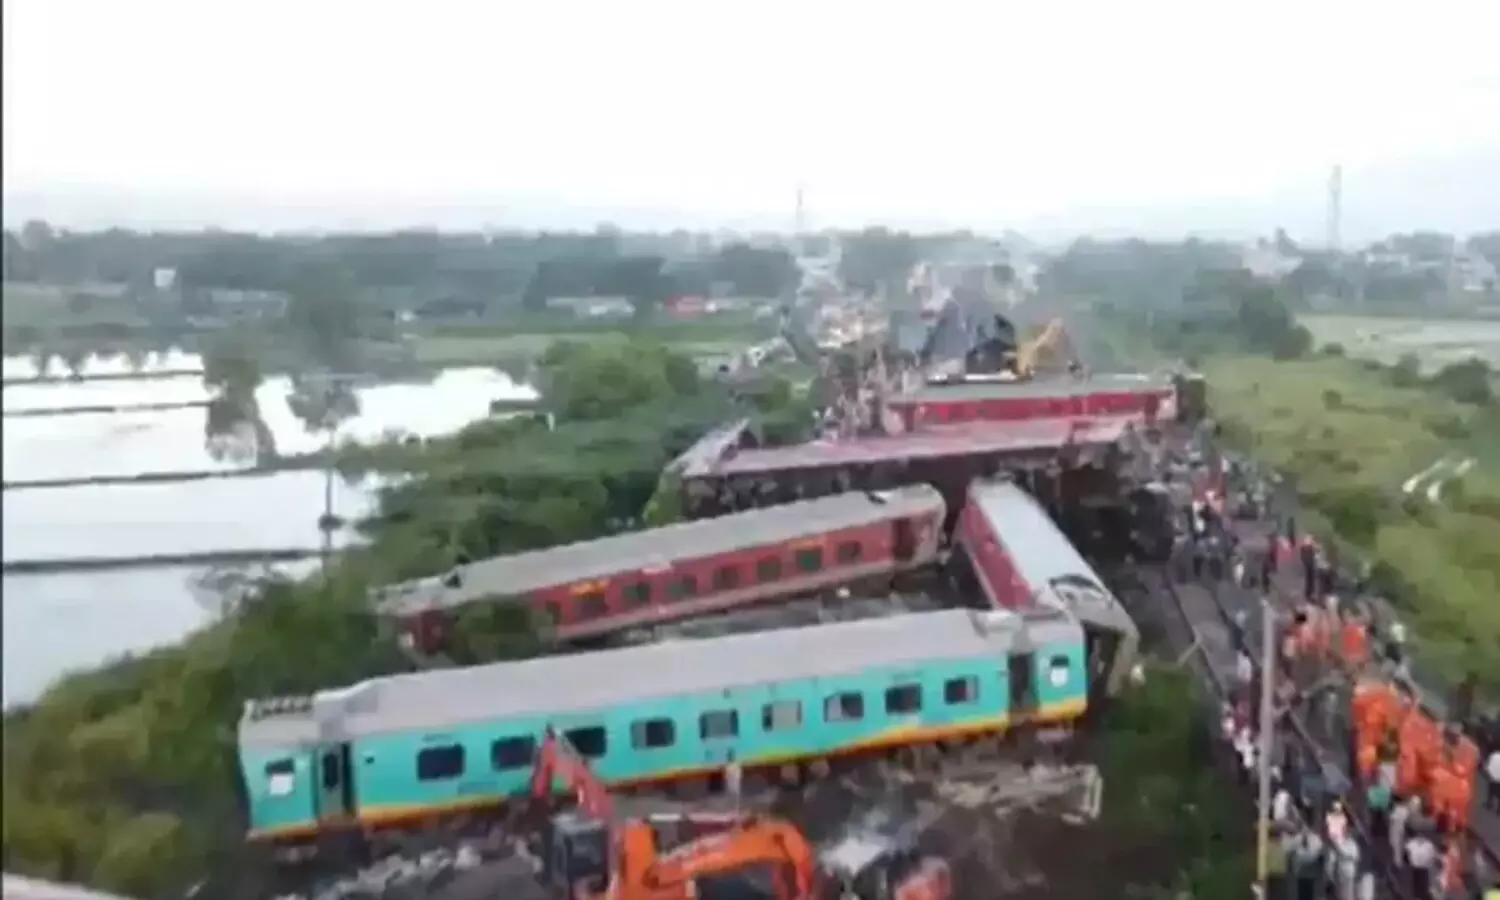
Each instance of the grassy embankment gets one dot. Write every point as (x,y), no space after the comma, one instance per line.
(1166,807)
(1349,437)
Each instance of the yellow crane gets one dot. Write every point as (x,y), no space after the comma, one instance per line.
(1051,340)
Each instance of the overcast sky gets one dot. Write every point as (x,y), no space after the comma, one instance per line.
(915,109)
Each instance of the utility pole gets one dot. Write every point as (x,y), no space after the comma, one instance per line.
(326,522)
(1335,224)
(1267,721)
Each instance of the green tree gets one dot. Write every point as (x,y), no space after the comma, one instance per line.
(323,316)
(755,271)
(233,426)
(877,256)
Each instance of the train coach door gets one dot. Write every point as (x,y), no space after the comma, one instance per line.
(1101,647)
(335,787)
(1021,676)
(904,541)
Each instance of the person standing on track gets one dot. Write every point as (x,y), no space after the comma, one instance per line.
(1308,551)
(734,780)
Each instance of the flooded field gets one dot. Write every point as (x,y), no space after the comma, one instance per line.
(1437,342)
(59,622)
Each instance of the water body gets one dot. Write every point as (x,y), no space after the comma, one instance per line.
(61,622)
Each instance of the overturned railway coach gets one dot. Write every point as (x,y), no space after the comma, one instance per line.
(401,750)
(1082,456)
(645,578)
(1020,558)
(1145,399)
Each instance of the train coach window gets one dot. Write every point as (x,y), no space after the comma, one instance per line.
(768,569)
(957,691)
(440,763)
(651,734)
(810,560)
(683,587)
(848,706)
(782,715)
(719,724)
(1058,670)
(590,742)
(726,578)
(512,753)
(592,605)
(903,699)
(637,593)
(849,552)
(281,777)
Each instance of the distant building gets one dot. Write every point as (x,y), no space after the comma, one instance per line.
(1474,274)
(687,306)
(1264,259)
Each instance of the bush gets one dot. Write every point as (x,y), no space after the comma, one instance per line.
(1407,372)
(1163,793)
(1469,381)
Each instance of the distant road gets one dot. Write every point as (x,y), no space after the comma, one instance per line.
(43,412)
(208,558)
(145,375)
(298,463)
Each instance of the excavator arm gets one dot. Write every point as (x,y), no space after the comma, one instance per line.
(556,759)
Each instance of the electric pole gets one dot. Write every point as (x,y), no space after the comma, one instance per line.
(1267,741)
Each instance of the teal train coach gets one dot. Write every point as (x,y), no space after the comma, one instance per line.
(393,751)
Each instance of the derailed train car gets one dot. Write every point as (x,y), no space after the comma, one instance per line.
(1147,399)
(1075,457)
(397,751)
(1019,558)
(645,578)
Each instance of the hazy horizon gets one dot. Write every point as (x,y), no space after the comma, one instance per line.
(1159,117)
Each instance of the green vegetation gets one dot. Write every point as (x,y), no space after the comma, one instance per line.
(123,778)
(1348,434)
(1174,830)
(524,340)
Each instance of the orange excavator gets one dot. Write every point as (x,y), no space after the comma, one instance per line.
(589,854)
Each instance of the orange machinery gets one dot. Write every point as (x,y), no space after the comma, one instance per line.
(590,855)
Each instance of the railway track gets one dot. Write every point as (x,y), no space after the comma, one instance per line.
(1205,613)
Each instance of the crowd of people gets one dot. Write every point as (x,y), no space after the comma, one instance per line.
(1410,807)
